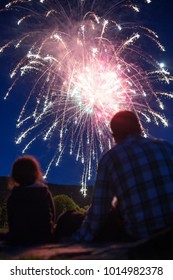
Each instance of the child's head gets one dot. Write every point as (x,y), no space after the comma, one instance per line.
(26,171)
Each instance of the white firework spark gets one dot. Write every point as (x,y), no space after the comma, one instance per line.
(85,65)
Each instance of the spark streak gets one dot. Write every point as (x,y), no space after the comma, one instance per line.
(84,66)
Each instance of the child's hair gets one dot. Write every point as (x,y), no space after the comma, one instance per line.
(26,171)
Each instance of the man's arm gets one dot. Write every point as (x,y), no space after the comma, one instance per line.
(100,206)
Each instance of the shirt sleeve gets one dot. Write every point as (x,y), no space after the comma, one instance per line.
(100,206)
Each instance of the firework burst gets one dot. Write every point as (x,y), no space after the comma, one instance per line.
(85,65)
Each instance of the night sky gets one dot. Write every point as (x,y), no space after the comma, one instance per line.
(158,16)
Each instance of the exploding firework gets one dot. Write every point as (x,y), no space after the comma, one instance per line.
(85,63)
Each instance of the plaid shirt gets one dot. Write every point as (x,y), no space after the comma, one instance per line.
(139,172)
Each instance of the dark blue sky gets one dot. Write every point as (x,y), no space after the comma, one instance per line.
(159,18)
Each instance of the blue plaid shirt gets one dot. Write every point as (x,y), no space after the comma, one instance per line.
(139,172)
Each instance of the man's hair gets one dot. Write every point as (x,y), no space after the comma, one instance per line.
(125,123)
(26,171)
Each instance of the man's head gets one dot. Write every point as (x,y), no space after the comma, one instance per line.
(123,124)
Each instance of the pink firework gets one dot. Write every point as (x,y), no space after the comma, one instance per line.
(85,66)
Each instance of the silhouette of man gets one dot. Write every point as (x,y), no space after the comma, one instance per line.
(138,171)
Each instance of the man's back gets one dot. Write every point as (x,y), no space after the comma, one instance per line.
(140,172)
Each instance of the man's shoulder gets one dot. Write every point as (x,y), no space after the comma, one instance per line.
(133,143)
(159,141)
(109,154)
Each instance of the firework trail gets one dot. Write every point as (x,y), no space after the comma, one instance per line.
(85,63)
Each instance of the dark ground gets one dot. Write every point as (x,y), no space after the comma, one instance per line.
(62,251)
(153,249)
